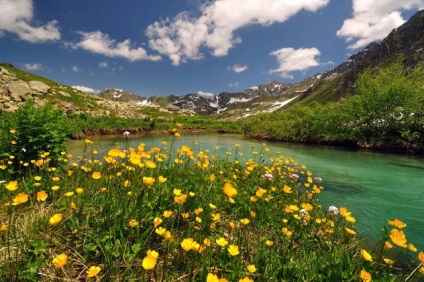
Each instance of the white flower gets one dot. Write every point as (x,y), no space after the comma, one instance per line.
(23,150)
(303,212)
(268,176)
(295,176)
(333,210)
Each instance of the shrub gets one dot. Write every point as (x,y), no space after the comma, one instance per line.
(33,136)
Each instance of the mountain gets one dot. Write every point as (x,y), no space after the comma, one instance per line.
(120,95)
(404,44)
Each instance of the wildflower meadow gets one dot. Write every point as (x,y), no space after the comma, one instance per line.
(183,214)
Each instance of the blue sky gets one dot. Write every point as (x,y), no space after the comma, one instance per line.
(165,47)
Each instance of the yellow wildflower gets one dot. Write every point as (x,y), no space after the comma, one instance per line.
(350,231)
(157,221)
(397,223)
(221,242)
(245,221)
(20,199)
(149,262)
(150,164)
(307,206)
(286,232)
(233,250)
(162,179)
(12,185)
(189,244)
(260,192)
(366,255)
(160,231)
(398,238)
(287,189)
(229,190)
(96,175)
(93,271)
(421,257)
(365,276)
(180,199)
(56,179)
(42,196)
(388,245)
(133,223)
(149,181)
(60,260)
(55,219)
(388,261)
(167,214)
(251,268)
(412,248)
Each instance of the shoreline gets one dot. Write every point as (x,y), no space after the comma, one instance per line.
(146,131)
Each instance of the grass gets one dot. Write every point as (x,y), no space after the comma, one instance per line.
(183,214)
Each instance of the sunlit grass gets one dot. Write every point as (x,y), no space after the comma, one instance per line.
(184,214)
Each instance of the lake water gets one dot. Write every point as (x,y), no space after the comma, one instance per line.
(375,187)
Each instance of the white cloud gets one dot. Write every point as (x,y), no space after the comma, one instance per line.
(237,68)
(33,67)
(205,94)
(85,89)
(75,69)
(103,64)
(233,84)
(100,43)
(290,60)
(373,20)
(16,17)
(182,37)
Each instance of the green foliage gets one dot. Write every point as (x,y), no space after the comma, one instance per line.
(31,134)
(385,105)
(154,121)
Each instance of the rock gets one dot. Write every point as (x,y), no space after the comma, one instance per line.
(64,94)
(39,87)
(6,76)
(19,90)
(10,107)
(39,102)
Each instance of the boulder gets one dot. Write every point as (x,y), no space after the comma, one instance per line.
(39,87)
(5,76)
(19,90)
